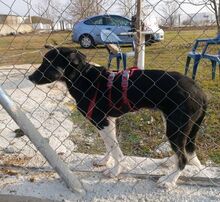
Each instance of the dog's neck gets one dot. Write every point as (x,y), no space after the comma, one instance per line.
(81,72)
(72,71)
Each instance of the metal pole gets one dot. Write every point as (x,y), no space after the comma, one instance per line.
(218,19)
(140,41)
(40,143)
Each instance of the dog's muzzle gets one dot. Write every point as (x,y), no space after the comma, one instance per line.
(34,79)
(31,78)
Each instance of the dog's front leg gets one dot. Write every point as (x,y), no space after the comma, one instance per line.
(108,135)
(104,135)
(103,161)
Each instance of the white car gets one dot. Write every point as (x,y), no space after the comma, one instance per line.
(151,25)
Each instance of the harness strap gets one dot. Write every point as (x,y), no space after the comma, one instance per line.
(109,86)
(92,105)
(124,84)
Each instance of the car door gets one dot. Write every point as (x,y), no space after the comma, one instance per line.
(106,24)
(93,27)
(118,25)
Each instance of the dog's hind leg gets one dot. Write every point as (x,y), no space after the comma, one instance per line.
(190,144)
(169,162)
(177,132)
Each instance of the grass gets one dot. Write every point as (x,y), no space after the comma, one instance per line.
(139,134)
(215,156)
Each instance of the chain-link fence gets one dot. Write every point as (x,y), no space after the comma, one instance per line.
(87,88)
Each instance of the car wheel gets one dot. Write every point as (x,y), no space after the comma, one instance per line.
(86,41)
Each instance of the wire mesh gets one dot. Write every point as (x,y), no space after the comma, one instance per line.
(26,26)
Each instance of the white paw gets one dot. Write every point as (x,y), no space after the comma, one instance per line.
(197,165)
(101,162)
(114,171)
(165,182)
(194,161)
(169,162)
(198,168)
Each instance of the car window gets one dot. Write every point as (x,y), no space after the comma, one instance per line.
(107,20)
(94,21)
(116,21)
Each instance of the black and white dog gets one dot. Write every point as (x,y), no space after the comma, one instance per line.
(102,97)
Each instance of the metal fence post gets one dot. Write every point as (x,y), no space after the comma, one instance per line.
(40,143)
(140,45)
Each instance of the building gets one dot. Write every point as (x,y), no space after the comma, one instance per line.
(12,24)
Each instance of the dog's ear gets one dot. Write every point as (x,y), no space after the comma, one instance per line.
(77,57)
(49,46)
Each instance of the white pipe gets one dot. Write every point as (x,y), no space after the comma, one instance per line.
(40,143)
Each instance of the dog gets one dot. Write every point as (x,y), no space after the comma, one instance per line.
(103,97)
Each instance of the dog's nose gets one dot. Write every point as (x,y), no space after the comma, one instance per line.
(31,78)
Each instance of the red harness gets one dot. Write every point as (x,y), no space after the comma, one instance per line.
(124,84)
(92,104)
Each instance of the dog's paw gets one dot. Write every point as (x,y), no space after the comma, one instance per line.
(114,171)
(101,162)
(194,161)
(168,162)
(166,183)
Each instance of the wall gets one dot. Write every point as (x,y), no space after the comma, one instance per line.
(6,29)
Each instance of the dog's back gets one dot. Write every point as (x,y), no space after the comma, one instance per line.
(160,90)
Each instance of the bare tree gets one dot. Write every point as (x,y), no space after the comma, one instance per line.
(215,5)
(170,12)
(49,9)
(127,7)
(80,9)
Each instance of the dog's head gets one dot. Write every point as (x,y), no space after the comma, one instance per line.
(57,64)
